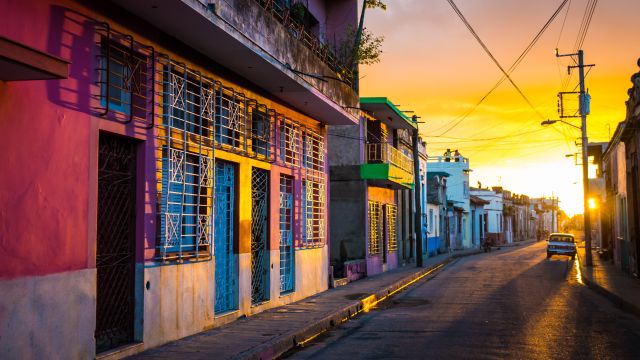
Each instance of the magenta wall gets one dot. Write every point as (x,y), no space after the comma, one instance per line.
(43,186)
(49,147)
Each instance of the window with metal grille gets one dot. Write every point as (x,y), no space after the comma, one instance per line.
(125,70)
(262,120)
(287,255)
(289,142)
(392,213)
(185,142)
(231,119)
(312,151)
(313,213)
(375,215)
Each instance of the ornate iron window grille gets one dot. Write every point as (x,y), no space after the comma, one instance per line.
(289,142)
(375,225)
(392,213)
(125,77)
(262,133)
(231,119)
(185,165)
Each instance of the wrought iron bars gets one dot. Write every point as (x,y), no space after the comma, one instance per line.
(259,236)
(375,226)
(287,258)
(392,214)
(185,163)
(289,142)
(125,76)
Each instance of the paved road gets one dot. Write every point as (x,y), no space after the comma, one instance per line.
(508,304)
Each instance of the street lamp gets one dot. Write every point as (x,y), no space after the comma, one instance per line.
(551,122)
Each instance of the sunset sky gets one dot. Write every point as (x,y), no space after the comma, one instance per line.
(432,64)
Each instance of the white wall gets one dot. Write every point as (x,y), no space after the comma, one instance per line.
(48,317)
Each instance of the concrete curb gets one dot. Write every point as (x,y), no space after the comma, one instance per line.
(298,337)
(617,301)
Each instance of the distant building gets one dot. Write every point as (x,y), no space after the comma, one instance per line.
(615,171)
(437,219)
(478,227)
(458,196)
(493,213)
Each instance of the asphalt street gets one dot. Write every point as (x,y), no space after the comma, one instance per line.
(507,304)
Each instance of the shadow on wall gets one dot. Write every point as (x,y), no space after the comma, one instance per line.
(81,40)
(71,37)
(77,38)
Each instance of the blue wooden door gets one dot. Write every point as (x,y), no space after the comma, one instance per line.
(224,238)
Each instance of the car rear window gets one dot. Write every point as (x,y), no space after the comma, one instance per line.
(562,238)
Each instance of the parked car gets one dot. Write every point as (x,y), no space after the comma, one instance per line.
(561,244)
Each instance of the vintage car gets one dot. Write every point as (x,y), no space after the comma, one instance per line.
(561,244)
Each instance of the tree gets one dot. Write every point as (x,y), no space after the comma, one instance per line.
(373,48)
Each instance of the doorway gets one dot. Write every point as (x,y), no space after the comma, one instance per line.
(115,253)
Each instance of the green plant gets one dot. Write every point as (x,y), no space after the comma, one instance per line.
(369,48)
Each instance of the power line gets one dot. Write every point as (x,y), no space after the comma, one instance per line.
(506,75)
(586,21)
(493,138)
(566,15)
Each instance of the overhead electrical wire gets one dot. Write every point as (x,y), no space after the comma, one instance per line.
(506,74)
(586,21)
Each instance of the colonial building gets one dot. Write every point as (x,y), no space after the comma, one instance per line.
(372,223)
(437,219)
(478,227)
(156,185)
(615,172)
(457,166)
(493,213)
(621,160)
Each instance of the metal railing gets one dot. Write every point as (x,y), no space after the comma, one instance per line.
(452,158)
(282,13)
(385,153)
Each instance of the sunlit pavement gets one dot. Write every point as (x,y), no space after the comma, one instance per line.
(511,303)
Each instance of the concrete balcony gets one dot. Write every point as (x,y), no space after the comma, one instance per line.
(386,166)
(243,37)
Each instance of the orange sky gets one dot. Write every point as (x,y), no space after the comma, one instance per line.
(431,64)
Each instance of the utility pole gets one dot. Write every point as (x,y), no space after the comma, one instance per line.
(417,195)
(583,109)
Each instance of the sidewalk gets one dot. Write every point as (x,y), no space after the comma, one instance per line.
(619,287)
(271,333)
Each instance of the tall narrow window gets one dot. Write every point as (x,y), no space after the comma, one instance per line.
(313,221)
(261,132)
(289,143)
(392,213)
(186,166)
(230,119)
(375,226)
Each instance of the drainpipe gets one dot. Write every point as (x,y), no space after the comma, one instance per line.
(416,192)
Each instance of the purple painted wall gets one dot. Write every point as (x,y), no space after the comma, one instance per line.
(49,142)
